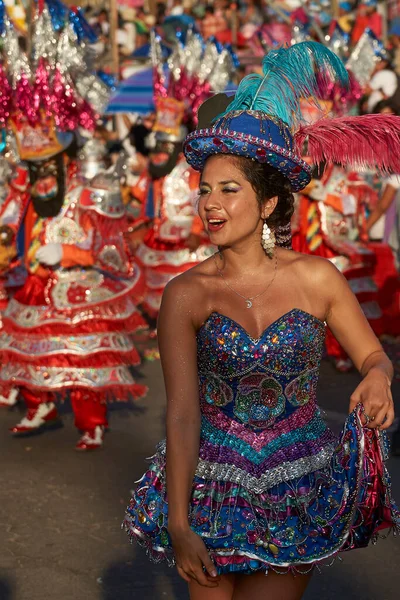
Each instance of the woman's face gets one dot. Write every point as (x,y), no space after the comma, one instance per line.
(228,204)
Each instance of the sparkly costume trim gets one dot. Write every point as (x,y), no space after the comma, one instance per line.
(257,485)
(29,317)
(292,526)
(53,378)
(31,347)
(151,257)
(274,488)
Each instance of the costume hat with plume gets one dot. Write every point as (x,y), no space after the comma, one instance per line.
(264,121)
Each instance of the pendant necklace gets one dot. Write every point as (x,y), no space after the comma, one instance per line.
(249,301)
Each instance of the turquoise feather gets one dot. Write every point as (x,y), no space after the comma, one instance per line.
(289,74)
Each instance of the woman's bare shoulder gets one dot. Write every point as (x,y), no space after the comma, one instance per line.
(189,291)
(309,265)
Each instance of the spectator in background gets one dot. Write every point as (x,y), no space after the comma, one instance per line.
(367,16)
(250,12)
(344,20)
(176,9)
(383,224)
(139,133)
(383,83)
(394,39)
(161,12)
(213,22)
(101,24)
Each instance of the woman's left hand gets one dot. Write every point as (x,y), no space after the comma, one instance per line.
(375,395)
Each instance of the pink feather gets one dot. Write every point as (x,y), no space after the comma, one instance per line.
(364,141)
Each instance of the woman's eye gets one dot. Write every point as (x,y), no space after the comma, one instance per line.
(203,192)
(229,190)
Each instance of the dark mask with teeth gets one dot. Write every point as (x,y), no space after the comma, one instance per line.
(164,158)
(47,179)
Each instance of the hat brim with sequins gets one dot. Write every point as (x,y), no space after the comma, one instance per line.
(260,122)
(264,120)
(254,135)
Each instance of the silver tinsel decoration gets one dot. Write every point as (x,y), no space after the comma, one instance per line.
(193,53)
(70,54)
(11,151)
(210,57)
(176,61)
(156,54)
(91,88)
(15,59)
(44,39)
(363,58)
(298,35)
(339,43)
(221,73)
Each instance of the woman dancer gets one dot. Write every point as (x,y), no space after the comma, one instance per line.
(256,481)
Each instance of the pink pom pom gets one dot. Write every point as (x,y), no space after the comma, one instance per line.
(70,111)
(24,100)
(87,118)
(65,106)
(41,90)
(5,97)
(158,85)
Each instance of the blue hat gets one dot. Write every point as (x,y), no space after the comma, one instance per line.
(261,121)
(249,134)
(345,6)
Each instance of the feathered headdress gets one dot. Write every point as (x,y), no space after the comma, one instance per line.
(263,121)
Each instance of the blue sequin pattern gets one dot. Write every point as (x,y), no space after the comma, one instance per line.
(274,487)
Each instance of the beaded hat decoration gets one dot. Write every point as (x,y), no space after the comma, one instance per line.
(264,120)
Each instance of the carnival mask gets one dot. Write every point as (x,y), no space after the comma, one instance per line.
(164,158)
(47,180)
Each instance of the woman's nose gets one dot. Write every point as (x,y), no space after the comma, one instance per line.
(212,201)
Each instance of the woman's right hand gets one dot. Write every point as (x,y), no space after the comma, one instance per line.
(191,556)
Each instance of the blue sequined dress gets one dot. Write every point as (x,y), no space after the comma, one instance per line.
(274,487)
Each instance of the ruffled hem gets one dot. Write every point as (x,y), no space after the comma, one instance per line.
(94,360)
(244,563)
(66,324)
(109,383)
(297,523)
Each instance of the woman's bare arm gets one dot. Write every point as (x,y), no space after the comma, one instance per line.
(352,330)
(178,351)
(383,204)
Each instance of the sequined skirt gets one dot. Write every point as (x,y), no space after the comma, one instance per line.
(292,525)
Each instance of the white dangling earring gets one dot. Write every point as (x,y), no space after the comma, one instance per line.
(268,240)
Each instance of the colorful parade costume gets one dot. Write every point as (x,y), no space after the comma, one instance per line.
(274,487)
(68,331)
(170,203)
(329,221)
(14,193)
(167,193)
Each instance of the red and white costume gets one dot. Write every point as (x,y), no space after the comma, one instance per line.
(329,221)
(164,252)
(68,330)
(15,195)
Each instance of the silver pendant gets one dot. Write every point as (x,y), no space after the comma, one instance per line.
(249,304)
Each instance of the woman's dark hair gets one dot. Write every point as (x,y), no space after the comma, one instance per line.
(267,182)
(387,103)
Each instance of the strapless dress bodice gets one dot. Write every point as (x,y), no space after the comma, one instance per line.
(260,420)
(273,487)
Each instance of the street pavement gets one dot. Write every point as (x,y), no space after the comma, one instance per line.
(60,511)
